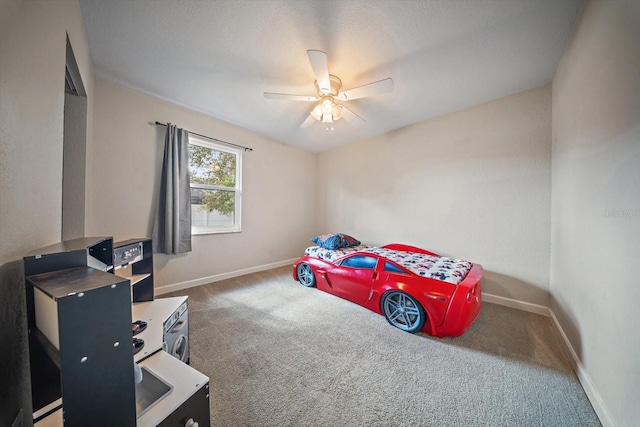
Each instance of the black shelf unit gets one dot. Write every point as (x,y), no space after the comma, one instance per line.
(94,252)
(83,324)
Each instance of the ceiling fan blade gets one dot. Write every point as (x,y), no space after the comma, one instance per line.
(375,88)
(320,67)
(289,97)
(307,123)
(354,120)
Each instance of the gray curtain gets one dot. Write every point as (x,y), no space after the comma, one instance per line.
(172,228)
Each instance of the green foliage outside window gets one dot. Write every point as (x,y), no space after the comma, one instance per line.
(213,167)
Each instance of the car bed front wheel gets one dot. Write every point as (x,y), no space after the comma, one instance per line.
(403,311)
(305,275)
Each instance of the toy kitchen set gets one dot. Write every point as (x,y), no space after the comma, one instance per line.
(103,351)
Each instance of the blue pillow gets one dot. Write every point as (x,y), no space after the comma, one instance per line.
(328,241)
(335,241)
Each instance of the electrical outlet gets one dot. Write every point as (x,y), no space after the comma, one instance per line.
(17,422)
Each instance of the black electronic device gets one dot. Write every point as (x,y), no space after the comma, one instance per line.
(133,260)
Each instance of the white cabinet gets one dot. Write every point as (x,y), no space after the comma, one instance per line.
(167,326)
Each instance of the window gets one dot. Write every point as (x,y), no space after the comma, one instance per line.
(215,172)
(393,268)
(360,261)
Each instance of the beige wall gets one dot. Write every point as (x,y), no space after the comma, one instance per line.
(74,168)
(596,205)
(32,58)
(278,188)
(473,184)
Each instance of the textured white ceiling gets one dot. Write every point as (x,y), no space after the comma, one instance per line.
(218,57)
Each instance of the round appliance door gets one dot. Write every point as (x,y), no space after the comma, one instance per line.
(179,349)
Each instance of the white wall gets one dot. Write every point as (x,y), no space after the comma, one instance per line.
(32,59)
(596,205)
(473,184)
(278,204)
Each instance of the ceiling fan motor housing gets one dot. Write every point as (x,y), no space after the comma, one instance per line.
(336,84)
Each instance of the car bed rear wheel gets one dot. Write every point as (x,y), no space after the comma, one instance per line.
(403,311)
(306,277)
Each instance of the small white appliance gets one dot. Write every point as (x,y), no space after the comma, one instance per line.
(175,339)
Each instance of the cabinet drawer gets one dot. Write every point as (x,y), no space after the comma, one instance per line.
(195,409)
(189,398)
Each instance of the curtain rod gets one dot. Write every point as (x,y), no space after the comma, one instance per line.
(213,139)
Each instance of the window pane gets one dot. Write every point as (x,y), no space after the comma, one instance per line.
(390,267)
(210,166)
(360,261)
(212,208)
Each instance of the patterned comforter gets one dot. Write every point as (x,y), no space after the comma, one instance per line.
(332,255)
(446,269)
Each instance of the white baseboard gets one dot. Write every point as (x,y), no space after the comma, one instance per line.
(513,303)
(585,380)
(222,276)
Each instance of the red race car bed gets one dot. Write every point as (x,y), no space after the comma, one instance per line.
(415,289)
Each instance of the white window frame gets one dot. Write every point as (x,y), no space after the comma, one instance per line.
(237,227)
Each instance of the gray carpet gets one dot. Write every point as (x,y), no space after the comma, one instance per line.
(280,354)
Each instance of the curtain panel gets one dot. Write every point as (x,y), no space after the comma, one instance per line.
(172,227)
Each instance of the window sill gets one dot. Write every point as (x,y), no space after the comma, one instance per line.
(206,232)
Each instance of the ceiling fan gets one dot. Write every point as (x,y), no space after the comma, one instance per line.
(328,86)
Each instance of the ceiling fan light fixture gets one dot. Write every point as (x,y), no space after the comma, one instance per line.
(327,105)
(336,112)
(327,118)
(316,113)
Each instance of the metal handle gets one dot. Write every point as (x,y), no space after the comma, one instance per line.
(191,423)
(179,325)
